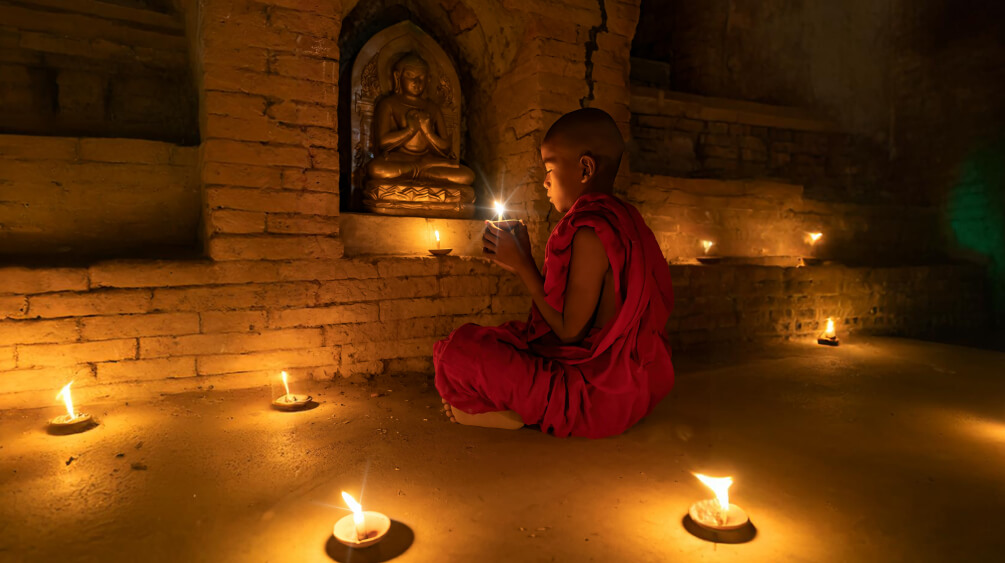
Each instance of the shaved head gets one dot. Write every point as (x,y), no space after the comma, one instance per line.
(593,132)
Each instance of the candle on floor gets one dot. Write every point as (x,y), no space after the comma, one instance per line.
(290,401)
(717,513)
(72,421)
(360,529)
(829,336)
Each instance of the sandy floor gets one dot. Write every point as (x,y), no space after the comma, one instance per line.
(883,450)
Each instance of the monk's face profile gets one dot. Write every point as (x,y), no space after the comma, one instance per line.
(566,176)
(413,81)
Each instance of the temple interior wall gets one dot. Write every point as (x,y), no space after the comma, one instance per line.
(273,289)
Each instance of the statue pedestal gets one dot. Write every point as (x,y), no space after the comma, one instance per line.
(419,197)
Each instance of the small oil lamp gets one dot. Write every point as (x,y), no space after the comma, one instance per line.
(828,337)
(717,513)
(360,529)
(439,251)
(289,401)
(71,422)
(812,238)
(708,258)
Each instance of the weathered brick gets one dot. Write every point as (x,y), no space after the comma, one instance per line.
(36,332)
(510,304)
(145,370)
(8,358)
(400,267)
(348,291)
(47,379)
(13,307)
(259,130)
(274,361)
(307,68)
(232,321)
(452,286)
(236,104)
(124,150)
(131,326)
(328,270)
(223,150)
(301,113)
(42,280)
(236,222)
(302,224)
(382,331)
(206,298)
(43,355)
(431,307)
(400,348)
(278,201)
(274,247)
(229,343)
(318,316)
(102,302)
(241,175)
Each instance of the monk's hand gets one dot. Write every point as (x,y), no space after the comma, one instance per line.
(504,248)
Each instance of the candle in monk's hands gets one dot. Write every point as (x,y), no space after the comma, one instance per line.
(500,210)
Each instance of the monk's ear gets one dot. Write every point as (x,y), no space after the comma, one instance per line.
(588,165)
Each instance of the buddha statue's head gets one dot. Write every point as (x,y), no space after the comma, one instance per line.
(410,74)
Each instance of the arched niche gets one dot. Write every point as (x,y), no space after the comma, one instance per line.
(371,79)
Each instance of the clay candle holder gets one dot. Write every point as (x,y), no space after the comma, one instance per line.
(439,251)
(360,529)
(71,422)
(708,259)
(829,337)
(290,401)
(717,514)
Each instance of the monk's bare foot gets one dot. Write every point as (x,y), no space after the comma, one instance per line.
(507,420)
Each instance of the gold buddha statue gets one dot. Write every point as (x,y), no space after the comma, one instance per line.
(415,172)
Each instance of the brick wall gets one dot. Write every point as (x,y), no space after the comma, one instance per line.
(87,67)
(694,136)
(66,199)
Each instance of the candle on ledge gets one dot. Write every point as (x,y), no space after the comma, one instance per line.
(72,421)
(290,401)
(707,258)
(707,245)
(812,239)
(829,336)
(360,529)
(438,251)
(437,239)
(717,513)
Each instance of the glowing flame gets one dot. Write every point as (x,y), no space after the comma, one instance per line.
(829,331)
(65,394)
(719,486)
(437,234)
(814,237)
(707,245)
(357,515)
(285,384)
(500,209)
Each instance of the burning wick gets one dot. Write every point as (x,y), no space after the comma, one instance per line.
(289,401)
(814,237)
(707,245)
(437,234)
(360,529)
(500,210)
(829,336)
(358,517)
(72,421)
(717,513)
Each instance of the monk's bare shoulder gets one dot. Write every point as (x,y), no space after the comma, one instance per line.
(588,249)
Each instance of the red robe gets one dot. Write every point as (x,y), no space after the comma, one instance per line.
(595,388)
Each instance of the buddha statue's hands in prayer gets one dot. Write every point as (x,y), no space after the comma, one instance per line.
(507,243)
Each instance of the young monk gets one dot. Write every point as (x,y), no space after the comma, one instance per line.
(591,360)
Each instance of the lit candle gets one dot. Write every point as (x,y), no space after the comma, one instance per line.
(72,421)
(500,210)
(717,513)
(829,336)
(289,401)
(437,233)
(358,518)
(707,245)
(287,386)
(814,237)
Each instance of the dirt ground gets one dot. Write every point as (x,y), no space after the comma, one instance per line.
(879,450)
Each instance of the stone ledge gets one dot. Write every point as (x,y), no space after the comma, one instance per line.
(366,234)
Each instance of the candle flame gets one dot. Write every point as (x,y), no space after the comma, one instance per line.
(707,245)
(357,515)
(719,486)
(814,237)
(500,209)
(829,331)
(437,233)
(67,400)
(285,384)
